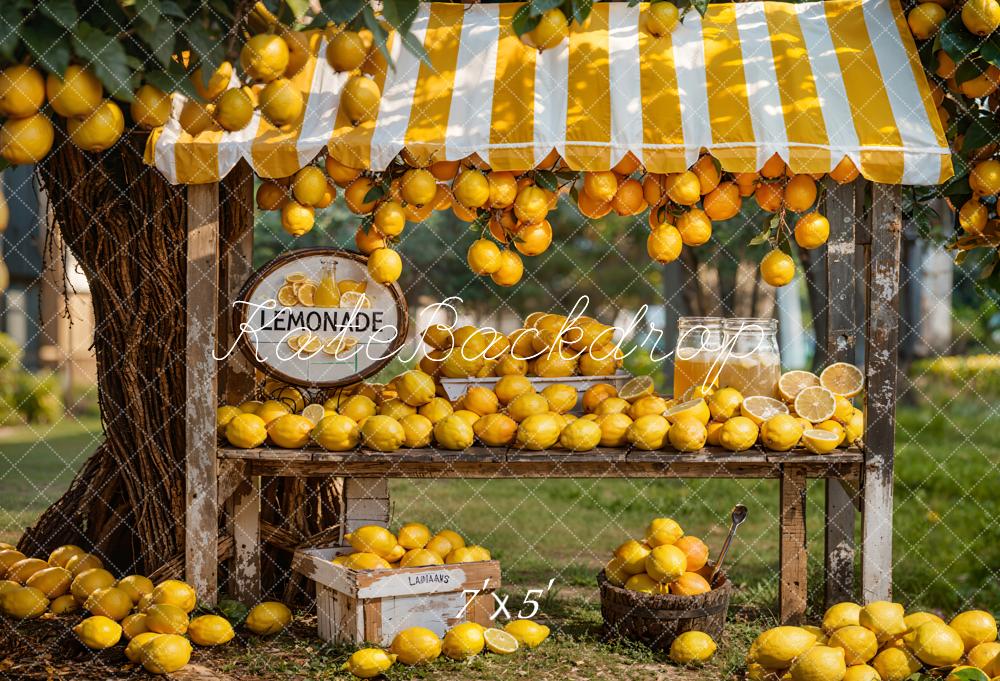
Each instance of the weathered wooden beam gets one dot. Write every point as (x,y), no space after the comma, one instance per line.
(794,553)
(202,298)
(841,210)
(245,528)
(882,278)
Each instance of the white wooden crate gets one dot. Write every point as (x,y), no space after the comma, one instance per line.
(356,606)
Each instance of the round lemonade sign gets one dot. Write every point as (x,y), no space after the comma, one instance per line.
(315,318)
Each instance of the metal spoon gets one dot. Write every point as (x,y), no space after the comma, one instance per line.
(739,515)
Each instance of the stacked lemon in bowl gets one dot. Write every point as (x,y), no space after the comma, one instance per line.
(878,641)
(665,561)
(374,547)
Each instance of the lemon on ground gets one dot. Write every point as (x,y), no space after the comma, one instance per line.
(580,436)
(61,555)
(463,641)
(164,618)
(984,654)
(74,95)
(246,431)
(687,433)
(98,632)
(643,583)
(777,648)
(896,664)
(453,432)
(781,432)
(975,627)
(361,97)
(165,654)
(382,433)
(336,433)
(696,409)
(819,663)
(500,642)
(368,663)
(416,645)
(268,617)
(175,592)
(691,646)
(23,602)
(859,644)
(51,581)
(7,558)
(539,431)
(136,586)
(99,130)
(133,651)
(527,632)
(633,554)
(665,563)
(614,428)
(820,441)
(758,408)
(815,403)
(842,379)
(210,630)
(26,140)
(841,615)
(90,581)
(110,602)
(648,432)
(861,672)
(936,644)
(62,605)
(372,539)
(134,624)
(738,434)
(883,618)
(793,382)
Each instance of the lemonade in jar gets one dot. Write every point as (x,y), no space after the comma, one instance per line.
(327,292)
(697,355)
(751,361)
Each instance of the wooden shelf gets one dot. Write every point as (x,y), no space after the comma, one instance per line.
(486,462)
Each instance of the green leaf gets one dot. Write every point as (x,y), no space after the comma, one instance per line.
(540,7)
(149,12)
(969,69)
(11,16)
(990,49)
(701,6)
(342,11)
(378,31)
(161,40)
(982,131)
(233,610)
(106,57)
(207,50)
(763,237)
(299,8)
(400,13)
(169,8)
(579,10)
(63,12)
(174,79)
(47,43)
(956,39)
(375,193)
(524,21)
(546,179)
(973,674)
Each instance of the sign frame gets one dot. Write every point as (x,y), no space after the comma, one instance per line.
(239,318)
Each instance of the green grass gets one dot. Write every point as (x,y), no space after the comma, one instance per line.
(946,545)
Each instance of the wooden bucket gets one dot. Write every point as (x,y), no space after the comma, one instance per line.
(657,620)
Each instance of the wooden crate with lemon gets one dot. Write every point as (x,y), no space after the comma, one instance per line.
(383,583)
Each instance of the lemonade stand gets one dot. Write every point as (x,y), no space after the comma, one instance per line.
(811,83)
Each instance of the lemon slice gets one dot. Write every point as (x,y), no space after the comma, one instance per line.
(758,408)
(820,441)
(500,642)
(352,299)
(842,379)
(697,408)
(815,403)
(306,294)
(335,346)
(348,285)
(287,297)
(791,383)
(294,343)
(314,412)
(296,278)
(309,343)
(640,386)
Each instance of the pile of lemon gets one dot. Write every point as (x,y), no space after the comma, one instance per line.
(666,561)
(419,645)
(152,618)
(547,345)
(877,642)
(376,548)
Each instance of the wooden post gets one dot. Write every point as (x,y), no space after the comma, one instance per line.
(201,530)
(840,341)
(794,553)
(366,502)
(245,526)
(882,279)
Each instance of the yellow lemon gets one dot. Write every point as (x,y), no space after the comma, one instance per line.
(133,651)
(63,605)
(861,672)
(414,387)
(500,642)
(418,430)
(539,431)
(781,432)
(151,107)
(268,618)
(691,646)
(26,140)
(420,558)
(633,554)
(264,57)
(663,531)
(724,404)
(78,93)
(60,556)
(336,433)
(99,130)
(463,641)
(368,663)
(98,633)
(527,632)
(384,265)
(936,645)
(164,618)
(883,618)
(738,434)
(372,539)
(175,592)
(615,571)
(246,431)
(896,664)
(436,409)
(290,431)
(416,645)
(975,627)
(643,583)
(777,268)
(361,97)
(508,388)
(648,432)
(22,91)
(346,51)
(984,655)
(560,397)
(687,433)
(495,430)
(357,408)
(777,648)
(614,429)
(165,654)
(819,663)
(111,602)
(134,624)
(23,602)
(52,581)
(665,563)
(454,432)
(382,433)
(820,441)
(89,581)
(859,644)
(696,408)
(210,630)
(580,436)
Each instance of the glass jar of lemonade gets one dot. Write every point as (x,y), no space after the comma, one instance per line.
(697,354)
(751,361)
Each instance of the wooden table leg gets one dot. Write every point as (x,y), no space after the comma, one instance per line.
(366,502)
(794,554)
(245,527)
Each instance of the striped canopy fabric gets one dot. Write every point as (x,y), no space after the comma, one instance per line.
(811,82)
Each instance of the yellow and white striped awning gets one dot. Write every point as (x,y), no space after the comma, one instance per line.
(811,82)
